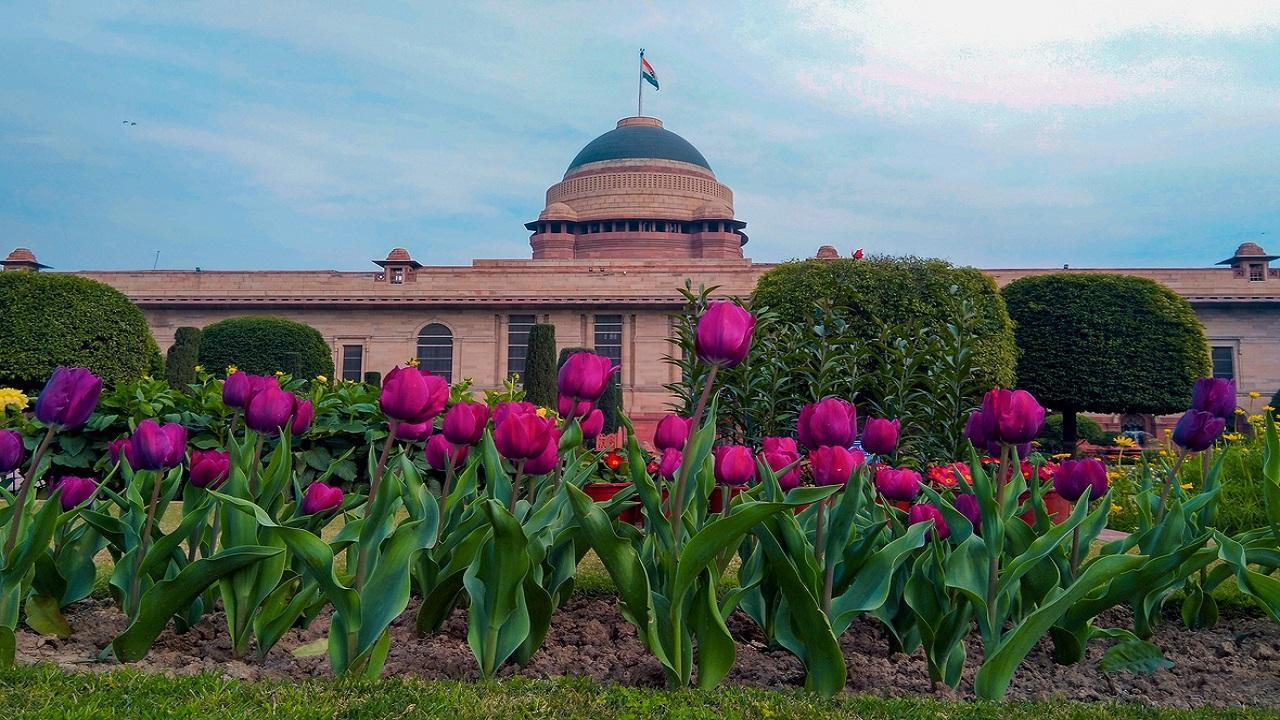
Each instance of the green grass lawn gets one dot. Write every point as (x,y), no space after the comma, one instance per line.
(30,693)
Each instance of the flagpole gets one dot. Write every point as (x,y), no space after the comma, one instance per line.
(640,89)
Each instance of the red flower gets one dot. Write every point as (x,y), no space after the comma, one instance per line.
(613,460)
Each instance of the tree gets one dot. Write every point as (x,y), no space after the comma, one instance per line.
(264,345)
(1105,343)
(48,320)
(183,356)
(540,367)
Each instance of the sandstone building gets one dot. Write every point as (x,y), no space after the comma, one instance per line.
(638,212)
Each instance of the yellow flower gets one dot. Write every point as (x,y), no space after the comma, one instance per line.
(12,397)
(1124,441)
(413,362)
(1255,395)
(1239,411)
(1062,456)
(199,368)
(1255,418)
(1268,408)
(279,373)
(321,378)
(1233,437)
(543,412)
(1116,508)
(231,369)
(1164,453)
(1185,486)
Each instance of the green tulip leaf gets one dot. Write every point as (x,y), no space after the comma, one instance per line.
(1135,656)
(44,616)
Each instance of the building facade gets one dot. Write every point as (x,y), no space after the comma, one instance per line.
(638,213)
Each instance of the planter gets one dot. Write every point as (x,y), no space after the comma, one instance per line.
(716,504)
(604,492)
(1058,507)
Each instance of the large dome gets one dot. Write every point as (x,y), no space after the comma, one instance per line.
(638,138)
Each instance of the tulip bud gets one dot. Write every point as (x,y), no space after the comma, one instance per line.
(156,447)
(122,448)
(209,468)
(672,432)
(834,465)
(830,421)
(75,491)
(585,376)
(269,410)
(1197,430)
(1074,476)
(967,505)
(880,436)
(779,460)
(976,431)
(303,413)
(1215,396)
(568,408)
(12,451)
(412,395)
(465,422)
(550,457)
(236,390)
(414,432)
(68,398)
(723,335)
(899,484)
(669,464)
(780,446)
(734,464)
(924,513)
(507,409)
(592,425)
(321,498)
(441,453)
(521,437)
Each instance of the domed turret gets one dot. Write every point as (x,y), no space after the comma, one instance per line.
(638,191)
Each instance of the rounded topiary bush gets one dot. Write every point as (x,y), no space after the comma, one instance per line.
(1105,343)
(264,345)
(884,291)
(48,320)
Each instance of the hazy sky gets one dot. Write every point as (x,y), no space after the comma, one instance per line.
(284,135)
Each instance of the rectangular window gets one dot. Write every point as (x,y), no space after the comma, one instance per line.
(397,276)
(1256,273)
(1224,362)
(352,362)
(609,337)
(518,342)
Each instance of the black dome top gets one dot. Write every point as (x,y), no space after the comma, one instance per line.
(639,141)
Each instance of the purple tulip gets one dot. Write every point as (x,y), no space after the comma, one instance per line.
(592,425)
(441,453)
(1215,396)
(270,409)
(1197,430)
(669,464)
(75,491)
(12,451)
(978,432)
(415,432)
(723,335)
(830,421)
(68,398)
(209,468)
(897,484)
(880,436)
(967,505)
(568,408)
(412,395)
(779,460)
(522,436)
(321,498)
(465,422)
(834,465)
(781,446)
(1073,476)
(924,513)
(672,432)
(1011,416)
(303,413)
(240,387)
(734,464)
(156,447)
(505,410)
(585,376)
(550,457)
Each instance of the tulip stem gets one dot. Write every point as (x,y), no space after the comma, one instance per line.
(820,533)
(253,469)
(993,565)
(362,564)
(682,479)
(448,477)
(20,502)
(136,583)
(1075,552)
(1168,484)
(515,488)
(828,571)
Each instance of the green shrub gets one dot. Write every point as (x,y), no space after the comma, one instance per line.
(1240,506)
(881,292)
(1105,343)
(48,320)
(373,377)
(184,355)
(263,345)
(1051,437)
(540,366)
(611,406)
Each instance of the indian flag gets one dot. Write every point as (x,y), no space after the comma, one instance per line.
(646,71)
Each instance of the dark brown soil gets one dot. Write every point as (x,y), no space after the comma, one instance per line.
(1236,663)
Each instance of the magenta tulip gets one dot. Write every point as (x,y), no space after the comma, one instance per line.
(585,376)
(415,432)
(1215,396)
(209,468)
(880,436)
(1074,476)
(830,421)
(68,398)
(672,432)
(441,453)
(156,447)
(522,437)
(75,491)
(321,498)
(1197,430)
(777,461)
(412,395)
(303,413)
(780,446)
(592,425)
(924,513)
(12,451)
(550,457)
(734,464)
(465,422)
(669,463)
(568,408)
(240,387)
(505,410)
(834,465)
(270,409)
(1011,416)
(122,448)
(967,505)
(723,335)
(897,484)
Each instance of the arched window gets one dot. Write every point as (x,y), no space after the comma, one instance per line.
(435,350)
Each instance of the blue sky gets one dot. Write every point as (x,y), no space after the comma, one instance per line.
(284,135)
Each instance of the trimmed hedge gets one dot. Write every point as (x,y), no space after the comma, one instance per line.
(1086,428)
(263,345)
(48,320)
(184,355)
(540,366)
(882,291)
(1105,343)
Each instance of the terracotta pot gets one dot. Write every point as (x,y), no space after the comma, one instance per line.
(715,503)
(1058,507)
(604,492)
